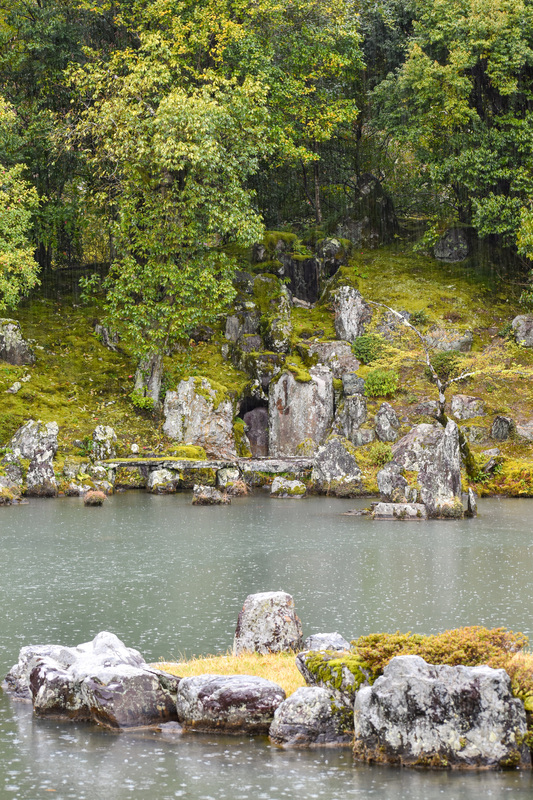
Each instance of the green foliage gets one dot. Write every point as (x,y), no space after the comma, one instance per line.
(241,442)
(446,364)
(380,453)
(381,383)
(141,401)
(419,318)
(367,347)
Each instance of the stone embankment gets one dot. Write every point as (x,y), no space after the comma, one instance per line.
(414,714)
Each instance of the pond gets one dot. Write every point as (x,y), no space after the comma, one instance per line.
(170,579)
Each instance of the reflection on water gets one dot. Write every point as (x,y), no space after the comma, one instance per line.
(168,578)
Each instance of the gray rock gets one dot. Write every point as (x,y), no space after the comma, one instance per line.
(502,428)
(40,478)
(109,339)
(148,377)
(161,481)
(326,641)
(335,470)
(363,436)
(100,681)
(351,415)
(276,303)
(338,673)
(452,246)
(337,356)
(417,714)
(352,384)
(284,488)
(433,452)
(299,411)
(445,340)
(35,437)
(233,328)
(208,496)
(228,703)
(16,387)
(307,719)
(427,408)
(267,623)
(256,422)
(475,434)
(104,443)
(13,348)
(195,414)
(352,314)
(400,511)
(393,486)
(466,407)
(523,329)
(525,431)
(228,475)
(471,503)
(387,423)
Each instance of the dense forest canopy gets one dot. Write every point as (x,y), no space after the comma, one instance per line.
(154,139)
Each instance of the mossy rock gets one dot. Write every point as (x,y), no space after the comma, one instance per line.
(242,445)
(187,451)
(129,478)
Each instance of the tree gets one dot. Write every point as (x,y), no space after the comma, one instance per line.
(18,203)
(461,103)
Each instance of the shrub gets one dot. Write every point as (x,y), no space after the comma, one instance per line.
(94,498)
(367,347)
(420,317)
(140,401)
(381,382)
(446,364)
(380,453)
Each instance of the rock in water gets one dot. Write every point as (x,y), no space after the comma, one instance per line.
(197,414)
(228,703)
(308,718)
(209,496)
(352,314)
(299,411)
(267,623)
(417,714)
(283,488)
(336,470)
(13,348)
(100,681)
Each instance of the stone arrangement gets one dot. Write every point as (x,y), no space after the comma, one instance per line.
(415,714)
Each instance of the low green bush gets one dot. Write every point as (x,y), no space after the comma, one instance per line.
(381,382)
(446,364)
(380,453)
(367,347)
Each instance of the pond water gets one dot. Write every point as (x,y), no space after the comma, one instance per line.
(170,579)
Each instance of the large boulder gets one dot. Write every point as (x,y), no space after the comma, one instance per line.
(387,423)
(447,340)
(37,442)
(502,428)
(309,717)
(337,356)
(433,453)
(335,470)
(228,703)
(400,511)
(394,486)
(256,428)
(523,329)
(104,443)
(352,314)
(299,411)
(162,481)
(466,407)
(267,623)
(13,347)
(453,246)
(326,641)
(287,489)
(417,714)
(100,681)
(351,414)
(199,414)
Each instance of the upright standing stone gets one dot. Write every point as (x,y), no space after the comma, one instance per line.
(299,411)
(104,442)
(13,348)
(267,623)
(352,314)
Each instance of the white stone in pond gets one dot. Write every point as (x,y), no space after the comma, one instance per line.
(326,641)
(267,623)
(228,703)
(307,719)
(401,511)
(418,714)
(284,488)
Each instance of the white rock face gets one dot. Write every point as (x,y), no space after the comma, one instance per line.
(326,641)
(387,423)
(267,623)
(337,356)
(287,489)
(13,347)
(104,442)
(38,442)
(352,314)
(194,414)
(466,407)
(433,452)
(307,718)
(228,703)
(417,714)
(299,412)
(161,481)
(523,329)
(336,470)
(102,681)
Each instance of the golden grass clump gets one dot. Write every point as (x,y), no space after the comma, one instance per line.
(277,667)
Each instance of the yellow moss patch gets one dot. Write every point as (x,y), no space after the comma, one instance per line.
(278,667)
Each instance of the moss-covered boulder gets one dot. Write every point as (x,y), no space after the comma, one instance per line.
(300,411)
(335,470)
